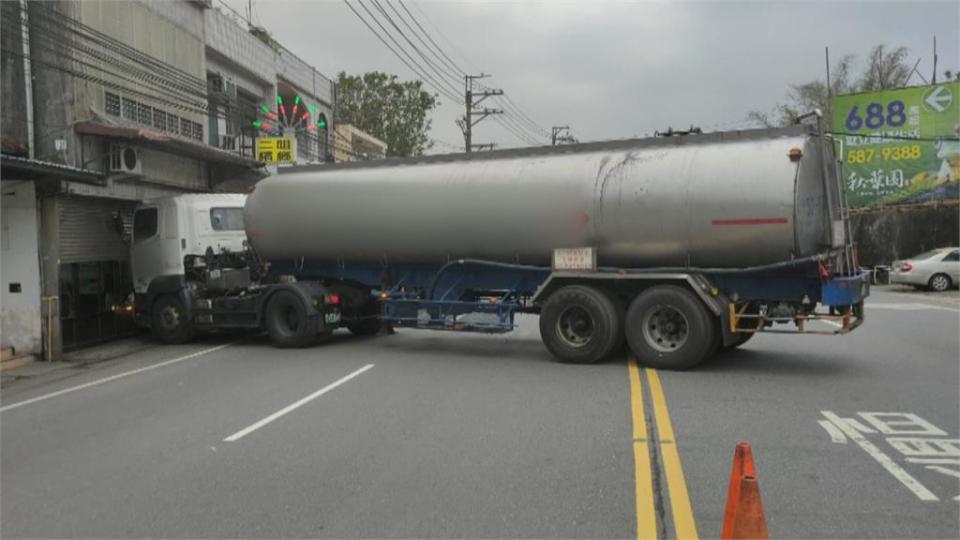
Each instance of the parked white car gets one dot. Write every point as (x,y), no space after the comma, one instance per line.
(937,270)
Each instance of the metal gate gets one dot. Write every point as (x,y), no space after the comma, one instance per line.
(94,268)
(90,228)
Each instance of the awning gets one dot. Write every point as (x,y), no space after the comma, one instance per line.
(164,141)
(21,168)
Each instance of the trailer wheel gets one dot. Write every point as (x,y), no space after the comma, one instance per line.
(668,327)
(364,327)
(580,325)
(287,321)
(168,320)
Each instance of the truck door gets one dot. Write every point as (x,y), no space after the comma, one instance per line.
(145,252)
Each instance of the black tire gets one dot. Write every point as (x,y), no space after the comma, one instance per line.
(364,327)
(939,283)
(168,320)
(580,324)
(287,321)
(668,327)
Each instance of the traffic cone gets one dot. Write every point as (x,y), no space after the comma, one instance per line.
(743,517)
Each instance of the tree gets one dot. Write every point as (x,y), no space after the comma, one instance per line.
(393,111)
(885,70)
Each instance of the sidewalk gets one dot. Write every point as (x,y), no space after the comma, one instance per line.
(78,359)
(948,298)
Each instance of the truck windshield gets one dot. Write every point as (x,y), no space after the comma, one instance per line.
(226,219)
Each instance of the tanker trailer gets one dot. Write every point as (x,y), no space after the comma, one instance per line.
(678,246)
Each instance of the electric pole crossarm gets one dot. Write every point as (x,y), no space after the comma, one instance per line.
(485,95)
(483,114)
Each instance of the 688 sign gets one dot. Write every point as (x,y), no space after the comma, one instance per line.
(899,146)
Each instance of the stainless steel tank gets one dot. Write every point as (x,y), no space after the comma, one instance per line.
(716,200)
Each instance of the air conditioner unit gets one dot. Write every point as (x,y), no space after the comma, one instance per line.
(125,159)
(215,84)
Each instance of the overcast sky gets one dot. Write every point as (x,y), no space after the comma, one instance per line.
(621,69)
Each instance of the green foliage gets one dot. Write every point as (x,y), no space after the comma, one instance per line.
(393,111)
(885,69)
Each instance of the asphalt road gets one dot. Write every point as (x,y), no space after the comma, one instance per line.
(426,434)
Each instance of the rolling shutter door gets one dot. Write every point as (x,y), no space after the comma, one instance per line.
(88,231)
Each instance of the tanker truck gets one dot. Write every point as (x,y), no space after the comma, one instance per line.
(671,247)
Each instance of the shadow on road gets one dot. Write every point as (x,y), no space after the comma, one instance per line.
(783,363)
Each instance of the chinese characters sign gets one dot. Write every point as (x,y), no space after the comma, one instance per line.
(899,146)
(271,150)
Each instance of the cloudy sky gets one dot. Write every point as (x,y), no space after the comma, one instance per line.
(618,69)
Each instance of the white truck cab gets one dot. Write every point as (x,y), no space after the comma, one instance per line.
(168,229)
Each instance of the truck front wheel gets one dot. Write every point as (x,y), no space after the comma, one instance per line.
(580,325)
(168,320)
(287,321)
(669,328)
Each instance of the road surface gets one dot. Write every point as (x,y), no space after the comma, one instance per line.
(426,434)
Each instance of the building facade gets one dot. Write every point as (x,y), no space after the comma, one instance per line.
(106,103)
(353,144)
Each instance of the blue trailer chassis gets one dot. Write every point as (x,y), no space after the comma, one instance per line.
(484,296)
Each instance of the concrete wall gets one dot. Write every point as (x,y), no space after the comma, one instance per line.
(13,123)
(54,90)
(19,264)
(171,32)
(892,233)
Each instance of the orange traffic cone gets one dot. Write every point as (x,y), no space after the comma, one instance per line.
(743,517)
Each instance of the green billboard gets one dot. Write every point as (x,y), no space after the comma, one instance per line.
(899,146)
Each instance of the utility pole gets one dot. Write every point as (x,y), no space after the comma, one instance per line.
(555,131)
(556,137)
(467,122)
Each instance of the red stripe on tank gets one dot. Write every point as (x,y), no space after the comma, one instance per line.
(750,221)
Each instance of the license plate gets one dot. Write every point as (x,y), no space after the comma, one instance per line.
(331,318)
(575,259)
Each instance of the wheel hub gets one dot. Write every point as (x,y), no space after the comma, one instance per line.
(665,329)
(939,283)
(170,317)
(575,326)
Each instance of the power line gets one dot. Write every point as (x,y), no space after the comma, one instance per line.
(450,61)
(443,67)
(448,40)
(437,86)
(522,126)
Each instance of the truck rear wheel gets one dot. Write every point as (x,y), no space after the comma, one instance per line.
(168,320)
(580,325)
(668,327)
(288,322)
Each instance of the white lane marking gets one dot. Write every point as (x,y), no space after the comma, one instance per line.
(295,405)
(903,476)
(114,377)
(915,306)
(833,323)
(836,436)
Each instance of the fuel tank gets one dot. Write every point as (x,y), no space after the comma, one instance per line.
(730,199)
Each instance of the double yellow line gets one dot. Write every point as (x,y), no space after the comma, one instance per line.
(684,525)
